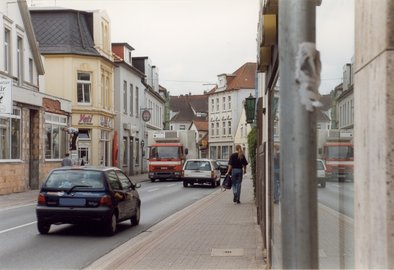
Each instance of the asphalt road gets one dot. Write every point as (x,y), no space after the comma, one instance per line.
(338,196)
(68,246)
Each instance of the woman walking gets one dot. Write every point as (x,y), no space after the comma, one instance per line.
(237,166)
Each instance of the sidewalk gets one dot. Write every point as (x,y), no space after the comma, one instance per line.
(212,233)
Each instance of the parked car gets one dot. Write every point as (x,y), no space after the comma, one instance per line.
(79,195)
(321,173)
(200,171)
(223,166)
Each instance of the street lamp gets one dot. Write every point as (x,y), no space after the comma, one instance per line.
(250,108)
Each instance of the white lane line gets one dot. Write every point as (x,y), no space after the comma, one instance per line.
(153,189)
(171,185)
(17,206)
(17,227)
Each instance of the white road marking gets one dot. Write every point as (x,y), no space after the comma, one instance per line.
(17,227)
(153,189)
(17,206)
(171,185)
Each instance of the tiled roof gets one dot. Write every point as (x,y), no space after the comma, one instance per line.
(201,125)
(243,78)
(64,31)
(326,101)
(321,116)
(185,104)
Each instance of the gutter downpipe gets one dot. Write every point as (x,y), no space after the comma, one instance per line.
(297,19)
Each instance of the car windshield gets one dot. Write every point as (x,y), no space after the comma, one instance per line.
(198,165)
(69,179)
(342,152)
(319,165)
(165,152)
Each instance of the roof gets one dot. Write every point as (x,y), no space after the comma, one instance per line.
(65,31)
(326,101)
(321,116)
(201,125)
(243,78)
(187,106)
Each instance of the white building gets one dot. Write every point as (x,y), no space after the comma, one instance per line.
(225,105)
(129,95)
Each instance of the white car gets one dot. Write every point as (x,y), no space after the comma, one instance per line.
(201,171)
(321,173)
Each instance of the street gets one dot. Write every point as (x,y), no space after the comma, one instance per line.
(69,246)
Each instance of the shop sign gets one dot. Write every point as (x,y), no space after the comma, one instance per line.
(106,122)
(5,96)
(85,119)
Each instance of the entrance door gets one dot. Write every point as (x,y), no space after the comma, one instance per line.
(34,143)
(131,156)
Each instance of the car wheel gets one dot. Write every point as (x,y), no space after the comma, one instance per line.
(110,225)
(152,179)
(213,183)
(135,220)
(184,183)
(43,227)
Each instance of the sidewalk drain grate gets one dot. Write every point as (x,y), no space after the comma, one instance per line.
(227,252)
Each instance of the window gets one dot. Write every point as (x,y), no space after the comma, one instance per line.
(104,146)
(126,184)
(137,152)
(217,128)
(84,134)
(224,128)
(229,127)
(83,87)
(131,99)
(137,105)
(124,97)
(55,138)
(10,136)
(7,51)
(182,127)
(30,70)
(217,104)
(224,103)
(213,104)
(213,129)
(124,145)
(113,181)
(19,59)
(229,102)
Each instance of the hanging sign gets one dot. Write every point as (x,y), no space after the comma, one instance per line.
(5,96)
(146,115)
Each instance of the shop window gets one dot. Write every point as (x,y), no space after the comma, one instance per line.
(10,135)
(55,138)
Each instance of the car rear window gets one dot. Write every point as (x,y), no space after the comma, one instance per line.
(198,165)
(71,178)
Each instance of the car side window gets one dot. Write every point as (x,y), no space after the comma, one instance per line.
(126,183)
(113,181)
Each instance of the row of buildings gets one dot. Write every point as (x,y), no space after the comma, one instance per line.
(59,69)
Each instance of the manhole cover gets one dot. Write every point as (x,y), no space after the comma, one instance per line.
(227,252)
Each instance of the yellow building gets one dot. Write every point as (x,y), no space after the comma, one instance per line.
(76,49)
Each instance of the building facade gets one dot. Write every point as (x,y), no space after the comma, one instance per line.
(129,94)
(80,69)
(25,110)
(225,109)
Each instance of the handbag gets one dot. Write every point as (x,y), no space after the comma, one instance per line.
(227,182)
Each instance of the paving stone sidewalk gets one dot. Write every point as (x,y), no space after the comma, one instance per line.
(213,233)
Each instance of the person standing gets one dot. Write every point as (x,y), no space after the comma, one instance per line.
(237,166)
(67,160)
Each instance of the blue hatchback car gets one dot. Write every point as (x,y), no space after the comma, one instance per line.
(77,195)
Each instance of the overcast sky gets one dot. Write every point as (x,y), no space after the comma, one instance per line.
(193,41)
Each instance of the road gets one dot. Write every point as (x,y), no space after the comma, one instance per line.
(69,246)
(338,196)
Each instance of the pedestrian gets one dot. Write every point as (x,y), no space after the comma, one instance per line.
(74,135)
(67,160)
(237,166)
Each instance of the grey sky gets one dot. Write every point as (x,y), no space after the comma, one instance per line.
(192,41)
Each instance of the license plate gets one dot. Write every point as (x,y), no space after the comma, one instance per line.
(72,202)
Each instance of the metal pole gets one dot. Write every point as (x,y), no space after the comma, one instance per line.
(298,141)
